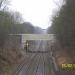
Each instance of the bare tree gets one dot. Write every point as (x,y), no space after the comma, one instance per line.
(3,4)
(17,17)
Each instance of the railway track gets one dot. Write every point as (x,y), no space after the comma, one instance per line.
(37,64)
(20,67)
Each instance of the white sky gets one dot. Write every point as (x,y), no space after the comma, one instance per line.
(38,12)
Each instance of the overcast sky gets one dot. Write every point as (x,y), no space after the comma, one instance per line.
(38,12)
